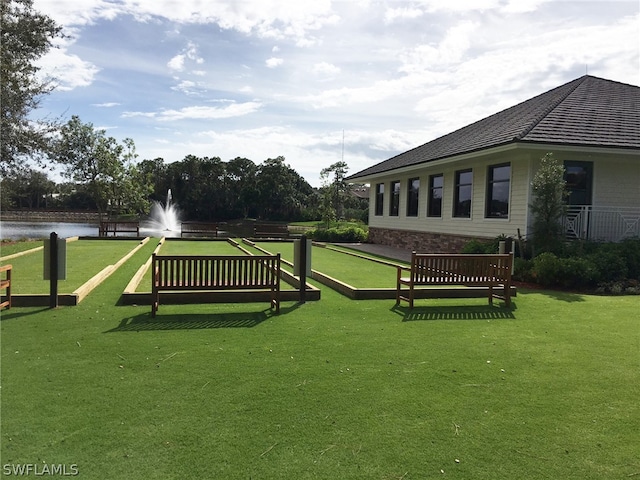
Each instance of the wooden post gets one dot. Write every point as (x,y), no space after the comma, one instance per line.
(53,270)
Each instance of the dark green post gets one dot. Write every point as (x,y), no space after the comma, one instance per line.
(53,270)
(303,269)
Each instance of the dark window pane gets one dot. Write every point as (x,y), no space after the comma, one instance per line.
(395,199)
(412,197)
(379,198)
(498,182)
(435,195)
(462,202)
(579,178)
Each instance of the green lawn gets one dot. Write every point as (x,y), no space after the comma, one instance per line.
(346,268)
(85,258)
(334,389)
(198,247)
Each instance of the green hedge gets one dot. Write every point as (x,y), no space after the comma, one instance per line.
(605,267)
(339,234)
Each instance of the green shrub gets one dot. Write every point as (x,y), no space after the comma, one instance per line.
(546,269)
(629,250)
(610,264)
(550,270)
(484,246)
(522,270)
(478,247)
(577,272)
(345,234)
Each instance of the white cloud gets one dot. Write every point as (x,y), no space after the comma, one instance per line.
(106,104)
(199,112)
(68,71)
(177,63)
(402,13)
(275,19)
(274,62)
(325,70)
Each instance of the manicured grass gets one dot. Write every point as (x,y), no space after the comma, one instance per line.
(85,258)
(335,389)
(346,268)
(199,247)
(9,248)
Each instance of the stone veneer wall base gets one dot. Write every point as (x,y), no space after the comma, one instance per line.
(425,242)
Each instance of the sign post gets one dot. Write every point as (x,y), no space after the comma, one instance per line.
(302,264)
(55,265)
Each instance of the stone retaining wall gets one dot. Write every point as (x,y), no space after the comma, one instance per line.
(426,242)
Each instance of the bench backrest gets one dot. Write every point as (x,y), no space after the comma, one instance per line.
(198,227)
(119,226)
(271,228)
(188,272)
(462,268)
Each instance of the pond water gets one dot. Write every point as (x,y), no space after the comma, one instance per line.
(38,230)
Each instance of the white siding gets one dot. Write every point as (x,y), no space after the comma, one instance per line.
(616,183)
(477,225)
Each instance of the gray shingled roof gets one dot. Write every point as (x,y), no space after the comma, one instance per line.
(588,111)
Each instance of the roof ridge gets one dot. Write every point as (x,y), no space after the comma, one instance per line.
(578,81)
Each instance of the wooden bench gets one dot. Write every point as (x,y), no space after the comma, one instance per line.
(199,229)
(491,271)
(181,273)
(5,284)
(116,227)
(270,230)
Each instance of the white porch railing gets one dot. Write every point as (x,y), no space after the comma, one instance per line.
(609,224)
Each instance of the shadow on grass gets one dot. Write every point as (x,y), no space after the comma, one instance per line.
(13,313)
(480,312)
(569,297)
(196,321)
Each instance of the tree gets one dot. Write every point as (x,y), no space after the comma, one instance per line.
(103,167)
(241,180)
(335,187)
(281,192)
(25,37)
(27,188)
(548,206)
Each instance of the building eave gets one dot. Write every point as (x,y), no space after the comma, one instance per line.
(519,145)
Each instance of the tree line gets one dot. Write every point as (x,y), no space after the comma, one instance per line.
(105,175)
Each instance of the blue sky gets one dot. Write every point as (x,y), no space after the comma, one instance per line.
(318,81)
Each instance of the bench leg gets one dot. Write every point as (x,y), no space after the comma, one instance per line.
(155,300)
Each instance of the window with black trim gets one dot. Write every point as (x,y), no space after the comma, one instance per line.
(379,199)
(579,178)
(394,205)
(436,185)
(462,200)
(498,183)
(413,193)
